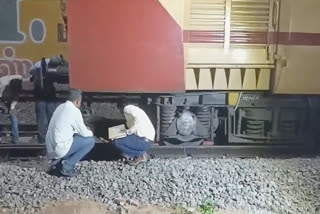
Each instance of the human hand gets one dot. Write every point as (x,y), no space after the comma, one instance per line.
(123,130)
(13,105)
(129,132)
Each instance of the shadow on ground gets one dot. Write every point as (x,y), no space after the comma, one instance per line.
(99,125)
(104,150)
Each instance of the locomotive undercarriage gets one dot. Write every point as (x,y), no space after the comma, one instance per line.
(259,118)
(190,119)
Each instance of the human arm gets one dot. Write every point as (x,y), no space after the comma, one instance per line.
(32,74)
(133,128)
(80,127)
(12,109)
(131,120)
(131,131)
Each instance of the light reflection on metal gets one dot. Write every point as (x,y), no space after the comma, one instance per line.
(227,25)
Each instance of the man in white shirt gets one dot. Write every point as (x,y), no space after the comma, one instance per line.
(68,140)
(140,133)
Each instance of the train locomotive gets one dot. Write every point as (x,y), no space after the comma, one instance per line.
(215,69)
(225,71)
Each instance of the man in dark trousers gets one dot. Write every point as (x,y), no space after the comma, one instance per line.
(139,135)
(45,96)
(11,86)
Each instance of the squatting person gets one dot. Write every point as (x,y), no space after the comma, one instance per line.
(10,88)
(140,133)
(68,140)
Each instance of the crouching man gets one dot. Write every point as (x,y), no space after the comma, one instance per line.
(10,88)
(68,140)
(140,133)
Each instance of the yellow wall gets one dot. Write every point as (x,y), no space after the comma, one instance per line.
(298,66)
(27,52)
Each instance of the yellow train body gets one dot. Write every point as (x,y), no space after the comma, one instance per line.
(250,44)
(229,45)
(29,31)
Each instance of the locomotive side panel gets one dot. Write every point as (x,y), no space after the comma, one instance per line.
(124,46)
(229,44)
(298,67)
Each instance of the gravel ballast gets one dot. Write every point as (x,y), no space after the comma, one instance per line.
(256,185)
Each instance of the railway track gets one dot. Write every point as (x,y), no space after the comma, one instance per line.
(105,151)
(25,130)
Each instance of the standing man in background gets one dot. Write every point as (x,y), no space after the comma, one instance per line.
(44,93)
(68,139)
